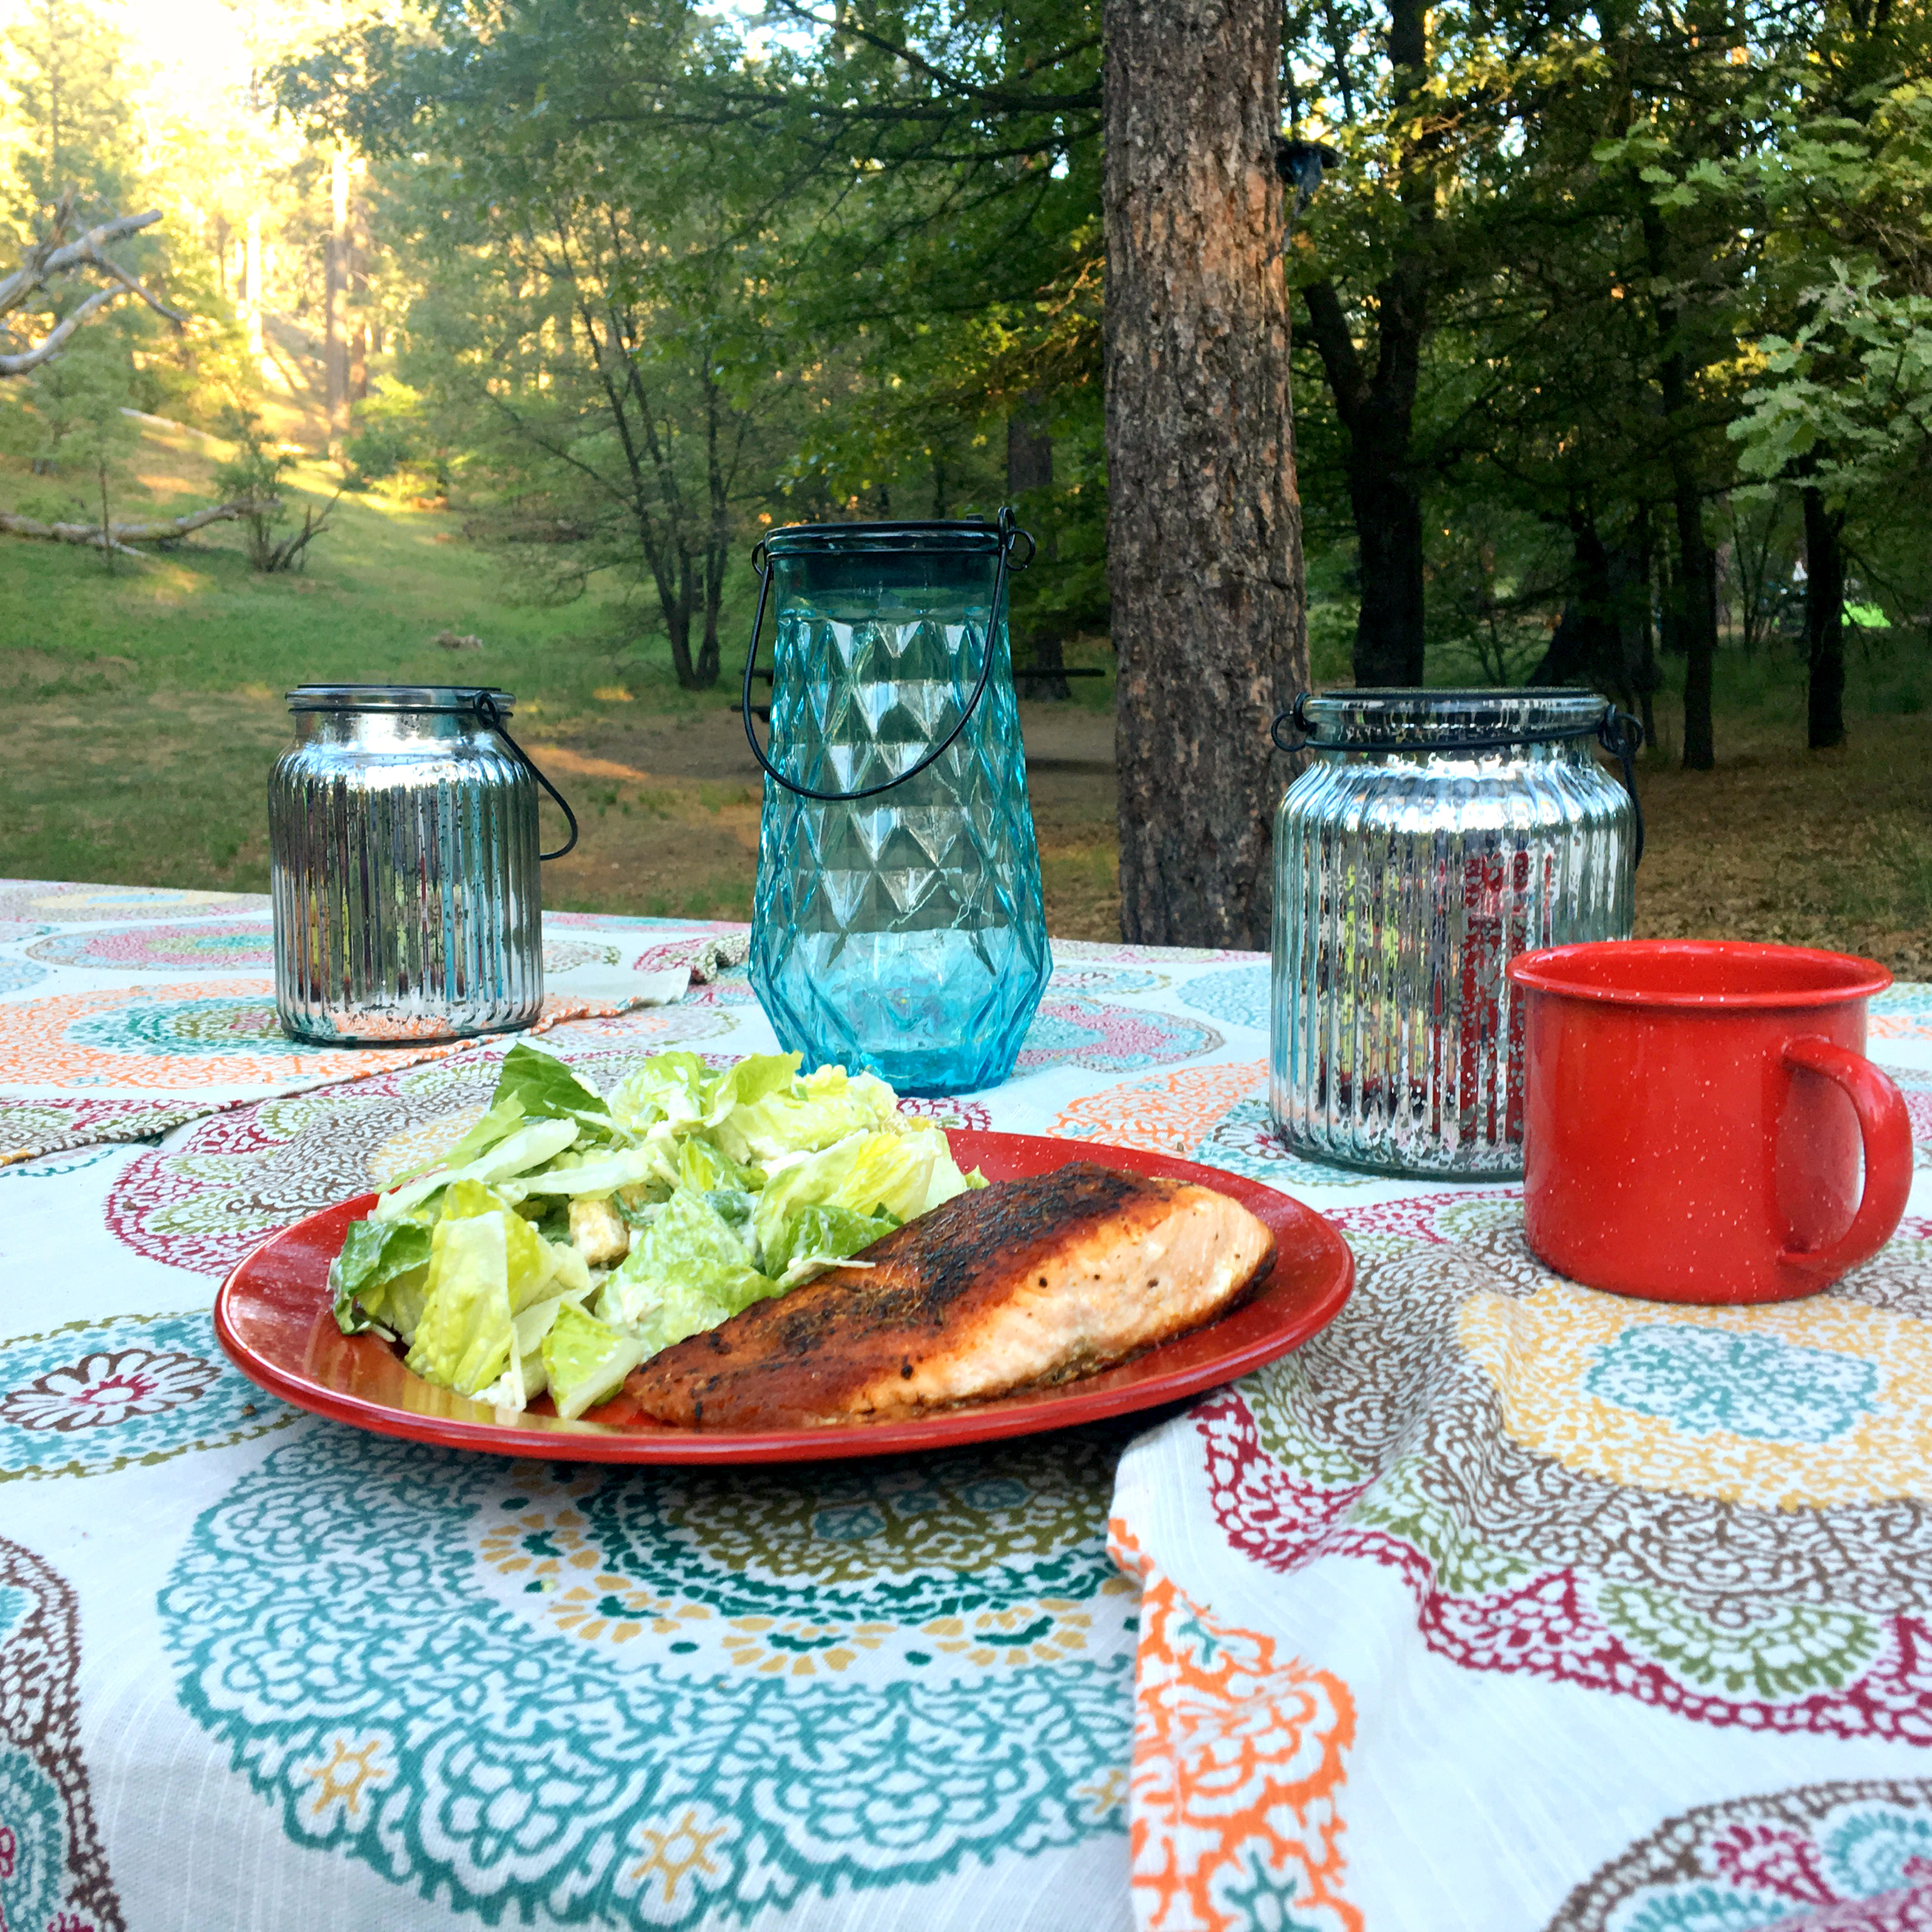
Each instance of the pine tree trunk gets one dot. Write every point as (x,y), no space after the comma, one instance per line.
(1388,524)
(1824,622)
(1029,466)
(335,301)
(1204,524)
(1697,618)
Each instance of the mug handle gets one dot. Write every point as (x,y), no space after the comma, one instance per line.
(1887,1130)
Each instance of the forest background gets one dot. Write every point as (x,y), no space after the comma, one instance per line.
(1613,364)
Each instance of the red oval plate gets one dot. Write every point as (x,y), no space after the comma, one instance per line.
(274,1318)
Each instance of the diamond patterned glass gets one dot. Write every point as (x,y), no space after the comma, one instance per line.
(903,933)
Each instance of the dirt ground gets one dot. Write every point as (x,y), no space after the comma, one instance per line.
(669,806)
(1813,848)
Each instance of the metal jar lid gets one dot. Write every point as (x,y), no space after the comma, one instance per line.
(398,698)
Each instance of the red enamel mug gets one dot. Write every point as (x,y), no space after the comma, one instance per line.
(1695,1113)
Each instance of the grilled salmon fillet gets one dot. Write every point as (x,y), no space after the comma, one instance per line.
(1012,1286)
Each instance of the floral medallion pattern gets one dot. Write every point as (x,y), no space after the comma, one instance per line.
(518,1597)
(1109,953)
(195,1035)
(1653,1501)
(638,921)
(92,1397)
(1901,1013)
(1848,1857)
(1915,1083)
(1216,1114)
(570,955)
(52,902)
(29,1128)
(16,975)
(203,1202)
(231,945)
(53,1871)
(66,1160)
(730,986)
(1072,1030)
(1112,980)
(706,956)
(1235,999)
(1240,1759)
(234,946)
(205,1037)
(803,1575)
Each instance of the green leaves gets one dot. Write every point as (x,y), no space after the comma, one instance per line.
(374,1259)
(545,1088)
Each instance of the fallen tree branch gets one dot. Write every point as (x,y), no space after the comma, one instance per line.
(55,256)
(118,536)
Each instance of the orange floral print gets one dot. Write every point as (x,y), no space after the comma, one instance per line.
(1239,1759)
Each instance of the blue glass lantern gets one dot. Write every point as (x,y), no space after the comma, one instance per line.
(897,925)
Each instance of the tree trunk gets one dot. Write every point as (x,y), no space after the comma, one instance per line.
(1377,412)
(1824,621)
(1585,647)
(1388,521)
(253,296)
(1204,524)
(676,625)
(717,547)
(1029,466)
(357,384)
(1386,501)
(335,358)
(1697,619)
(1696,572)
(1649,673)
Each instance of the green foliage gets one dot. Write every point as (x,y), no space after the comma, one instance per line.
(68,419)
(671,280)
(254,474)
(65,69)
(1848,399)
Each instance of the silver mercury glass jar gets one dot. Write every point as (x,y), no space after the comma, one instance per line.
(403,866)
(1436,835)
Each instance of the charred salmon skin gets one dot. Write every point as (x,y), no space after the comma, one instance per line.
(1011,1286)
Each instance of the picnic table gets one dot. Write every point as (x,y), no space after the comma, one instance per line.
(1501,1604)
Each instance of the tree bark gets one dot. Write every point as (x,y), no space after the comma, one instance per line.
(335,300)
(1204,523)
(116,536)
(1824,621)
(1696,579)
(1378,411)
(1029,466)
(1697,570)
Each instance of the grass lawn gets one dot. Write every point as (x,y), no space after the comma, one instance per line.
(140,711)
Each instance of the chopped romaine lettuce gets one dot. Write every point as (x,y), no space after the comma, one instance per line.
(584,1360)
(802,1116)
(821,1235)
(548,1090)
(375,1256)
(669,1088)
(529,1147)
(900,1175)
(686,1237)
(464,1337)
(504,1117)
(729,1187)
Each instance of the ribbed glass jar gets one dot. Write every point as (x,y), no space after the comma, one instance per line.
(402,865)
(1409,869)
(902,933)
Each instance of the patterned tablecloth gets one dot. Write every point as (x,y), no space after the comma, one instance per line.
(1502,1604)
(146,1007)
